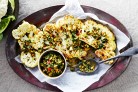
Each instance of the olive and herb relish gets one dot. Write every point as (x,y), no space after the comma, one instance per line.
(52,64)
(87,66)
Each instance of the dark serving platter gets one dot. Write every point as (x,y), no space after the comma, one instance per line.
(42,16)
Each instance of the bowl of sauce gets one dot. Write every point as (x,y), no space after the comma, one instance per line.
(52,64)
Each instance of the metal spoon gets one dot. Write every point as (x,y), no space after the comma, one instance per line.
(129,52)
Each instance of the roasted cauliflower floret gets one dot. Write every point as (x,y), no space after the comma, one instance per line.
(51,36)
(37,40)
(30,59)
(105,54)
(24,28)
(28,35)
(92,31)
(100,38)
(31,41)
(69,22)
(63,36)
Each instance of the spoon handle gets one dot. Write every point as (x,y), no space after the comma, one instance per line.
(129,52)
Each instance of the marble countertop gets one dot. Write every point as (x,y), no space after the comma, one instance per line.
(125,11)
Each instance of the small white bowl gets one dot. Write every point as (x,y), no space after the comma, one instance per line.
(44,53)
